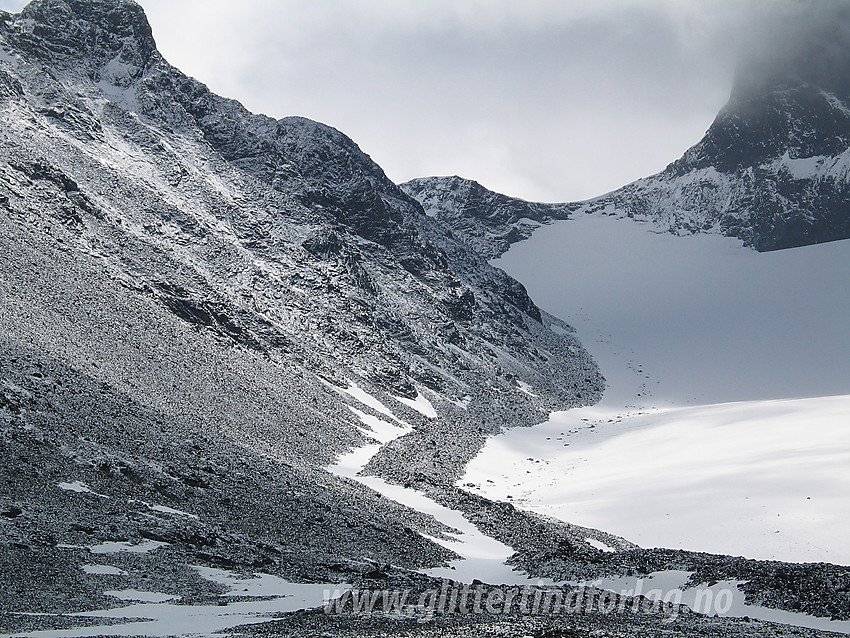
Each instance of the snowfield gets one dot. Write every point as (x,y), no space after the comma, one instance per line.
(726,424)
(762,479)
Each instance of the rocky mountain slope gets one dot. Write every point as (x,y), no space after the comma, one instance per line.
(192,299)
(187,289)
(489,222)
(773,169)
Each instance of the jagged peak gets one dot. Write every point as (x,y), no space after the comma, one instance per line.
(444,183)
(101,29)
(450,179)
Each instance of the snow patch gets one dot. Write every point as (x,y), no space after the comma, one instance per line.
(524,387)
(80,488)
(8,56)
(482,557)
(164,509)
(103,570)
(599,545)
(802,168)
(762,479)
(257,585)
(420,404)
(526,221)
(380,430)
(350,463)
(463,403)
(359,394)
(170,510)
(116,547)
(141,596)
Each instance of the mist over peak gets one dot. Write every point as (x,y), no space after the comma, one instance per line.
(793,43)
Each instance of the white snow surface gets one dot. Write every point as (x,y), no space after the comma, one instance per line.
(359,394)
(103,570)
(482,557)
(378,429)
(170,510)
(421,404)
(141,596)
(706,320)
(599,545)
(164,509)
(79,487)
(126,547)
(726,423)
(762,479)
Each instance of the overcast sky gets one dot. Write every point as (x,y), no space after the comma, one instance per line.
(549,100)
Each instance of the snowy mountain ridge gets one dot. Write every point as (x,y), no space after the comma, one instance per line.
(773,169)
(487,221)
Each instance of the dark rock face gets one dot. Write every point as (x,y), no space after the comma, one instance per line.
(487,221)
(101,30)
